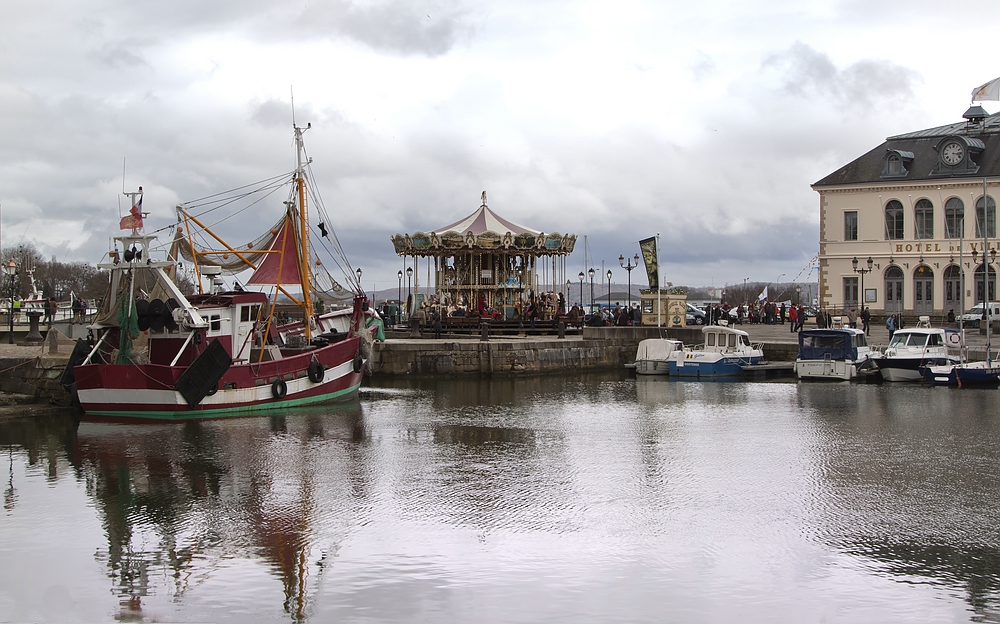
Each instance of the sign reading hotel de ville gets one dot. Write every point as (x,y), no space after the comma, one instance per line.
(932,247)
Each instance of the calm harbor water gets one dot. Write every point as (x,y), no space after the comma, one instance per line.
(562,499)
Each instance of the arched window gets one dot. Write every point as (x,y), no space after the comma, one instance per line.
(895,165)
(894,220)
(990,219)
(954,218)
(923,216)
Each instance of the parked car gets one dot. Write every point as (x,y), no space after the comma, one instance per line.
(694,315)
(975,314)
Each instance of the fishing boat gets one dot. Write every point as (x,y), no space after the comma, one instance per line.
(652,356)
(158,353)
(835,353)
(724,353)
(913,348)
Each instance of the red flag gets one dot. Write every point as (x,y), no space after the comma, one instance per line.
(133,220)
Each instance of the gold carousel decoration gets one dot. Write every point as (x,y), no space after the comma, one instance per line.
(489,256)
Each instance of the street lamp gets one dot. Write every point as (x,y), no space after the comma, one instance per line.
(399,295)
(746,296)
(581,289)
(609,288)
(862,272)
(10,270)
(359,276)
(628,267)
(409,274)
(591,274)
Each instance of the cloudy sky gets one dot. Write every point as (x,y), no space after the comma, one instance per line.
(704,121)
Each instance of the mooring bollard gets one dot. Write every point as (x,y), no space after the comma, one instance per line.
(414,327)
(562,330)
(34,336)
(484,331)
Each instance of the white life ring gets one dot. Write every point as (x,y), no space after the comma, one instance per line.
(954,339)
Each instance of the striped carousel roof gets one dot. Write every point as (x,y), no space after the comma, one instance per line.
(485,220)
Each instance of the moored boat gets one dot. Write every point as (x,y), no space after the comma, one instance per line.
(835,353)
(913,348)
(160,354)
(723,354)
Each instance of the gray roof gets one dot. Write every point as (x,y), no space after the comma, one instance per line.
(868,167)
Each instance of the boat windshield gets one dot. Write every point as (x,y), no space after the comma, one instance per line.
(908,340)
(860,340)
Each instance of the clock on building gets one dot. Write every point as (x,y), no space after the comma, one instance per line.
(952,153)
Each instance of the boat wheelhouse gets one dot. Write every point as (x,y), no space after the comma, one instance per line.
(835,353)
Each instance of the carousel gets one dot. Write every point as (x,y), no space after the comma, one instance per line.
(486,261)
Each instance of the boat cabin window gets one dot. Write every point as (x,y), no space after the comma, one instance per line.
(917,340)
(860,340)
(745,340)
(732,340)
(710,340)
(935,340)
(249,313)
(215,323)
(823,341)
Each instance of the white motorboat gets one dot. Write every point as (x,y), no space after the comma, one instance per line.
(913,348)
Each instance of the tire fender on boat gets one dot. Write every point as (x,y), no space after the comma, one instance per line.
(316,372)
(358,363)
(279,389)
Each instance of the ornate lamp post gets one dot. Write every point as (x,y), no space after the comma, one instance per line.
(591,274)
(409,274)
(581,289)
(10,270)
(399,295)
(628,267)
(862,271)
(609,287)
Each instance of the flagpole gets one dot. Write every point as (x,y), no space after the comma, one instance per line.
(659,280)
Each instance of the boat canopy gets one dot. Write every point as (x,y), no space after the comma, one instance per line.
(657,348)
(818,344)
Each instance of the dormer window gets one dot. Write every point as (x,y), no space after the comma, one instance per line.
(956,155)
(895,164)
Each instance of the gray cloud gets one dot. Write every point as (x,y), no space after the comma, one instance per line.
(396,26)
(805,71)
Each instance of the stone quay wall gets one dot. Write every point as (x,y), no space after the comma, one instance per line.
(600,348)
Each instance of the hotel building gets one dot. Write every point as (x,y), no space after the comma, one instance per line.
(902,227)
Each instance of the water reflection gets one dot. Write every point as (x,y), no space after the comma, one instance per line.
(171,496)
(593,497)
(911,473)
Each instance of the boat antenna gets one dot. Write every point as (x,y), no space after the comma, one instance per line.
(291,91)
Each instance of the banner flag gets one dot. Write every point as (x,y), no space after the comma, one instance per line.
(988,91)
(133,220)
(763,294)
(651,258)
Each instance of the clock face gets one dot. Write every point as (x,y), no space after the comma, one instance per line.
(952,153)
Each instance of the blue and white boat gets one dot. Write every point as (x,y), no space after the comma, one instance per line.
(723,354)
(836,353)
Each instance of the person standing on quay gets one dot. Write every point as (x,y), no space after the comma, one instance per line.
(890,324)
(793,319)
(852,318)
(866,320)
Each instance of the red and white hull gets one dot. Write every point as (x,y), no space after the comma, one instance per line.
(148,390)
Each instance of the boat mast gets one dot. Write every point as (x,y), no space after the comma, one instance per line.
(986,270)
(300,182)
